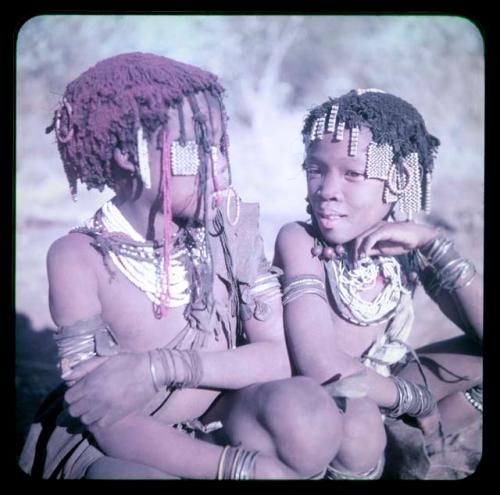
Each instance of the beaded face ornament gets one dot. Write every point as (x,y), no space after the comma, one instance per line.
(403,177)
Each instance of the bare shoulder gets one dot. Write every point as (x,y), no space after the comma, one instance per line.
(293,249)
(73,285)
(73,246)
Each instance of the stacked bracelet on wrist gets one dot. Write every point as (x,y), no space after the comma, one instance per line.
(413,399)
(451,272)
(179,369)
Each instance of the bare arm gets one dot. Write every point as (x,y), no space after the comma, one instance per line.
(464,307)
(265,358)
(309,328)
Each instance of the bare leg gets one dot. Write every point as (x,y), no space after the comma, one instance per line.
(114,469)
(364,438)
(293,423)
(451,367)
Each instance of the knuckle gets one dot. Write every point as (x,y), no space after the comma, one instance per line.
(73,411)
(86,419)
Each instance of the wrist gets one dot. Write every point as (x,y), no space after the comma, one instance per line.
(412,399)
(429,235)
(179,368)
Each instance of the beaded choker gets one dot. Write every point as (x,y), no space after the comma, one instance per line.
(141,261)
(346,284)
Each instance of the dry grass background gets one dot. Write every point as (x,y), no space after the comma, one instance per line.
(274,68)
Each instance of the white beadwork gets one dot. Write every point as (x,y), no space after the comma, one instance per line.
(330,127)
(143,157)
(353,141)
(339,135)
(148,274)
(320,127)
(184,159)
(379,160)
(360,92)
(427,202)
(411,200)
(347,284)
(312,135)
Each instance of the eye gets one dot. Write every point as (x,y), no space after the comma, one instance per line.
(355,175)
(311,169)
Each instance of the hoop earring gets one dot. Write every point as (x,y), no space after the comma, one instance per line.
(64,138)
(231,191)
(392,179)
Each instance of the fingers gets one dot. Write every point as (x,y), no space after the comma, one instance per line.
(79,408)
(383,239)
(429,424)
(75,393)
(109,418)
(83,369)
(359,250)
(92,416)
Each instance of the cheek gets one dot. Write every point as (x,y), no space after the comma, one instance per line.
(367,195)
(184,191)
(312,185)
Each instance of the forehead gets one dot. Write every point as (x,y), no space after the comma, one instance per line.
(207,108)
(327,150)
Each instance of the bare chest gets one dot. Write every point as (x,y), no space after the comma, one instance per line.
(132,317)
(354,339)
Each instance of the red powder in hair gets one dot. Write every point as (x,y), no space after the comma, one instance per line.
(112,99)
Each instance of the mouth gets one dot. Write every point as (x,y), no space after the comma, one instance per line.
(329,220)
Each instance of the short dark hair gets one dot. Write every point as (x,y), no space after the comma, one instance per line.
(391,120)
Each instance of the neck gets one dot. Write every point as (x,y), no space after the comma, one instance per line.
(147,220)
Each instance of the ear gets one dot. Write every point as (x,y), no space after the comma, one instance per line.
(122,160)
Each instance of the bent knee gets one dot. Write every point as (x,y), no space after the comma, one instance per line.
(363,423)
(304,422)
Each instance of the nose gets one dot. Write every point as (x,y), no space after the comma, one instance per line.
(330,188)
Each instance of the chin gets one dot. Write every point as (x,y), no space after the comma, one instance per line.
(333,236)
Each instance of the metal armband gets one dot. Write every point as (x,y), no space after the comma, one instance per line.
(295,287)
(84,340)
(256,298)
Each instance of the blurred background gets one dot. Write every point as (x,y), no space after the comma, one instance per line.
(274,68)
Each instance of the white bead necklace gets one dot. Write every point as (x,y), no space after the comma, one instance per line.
(147,273)
(346,285)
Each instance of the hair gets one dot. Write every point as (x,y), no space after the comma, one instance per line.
(390,119)
(103,108)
